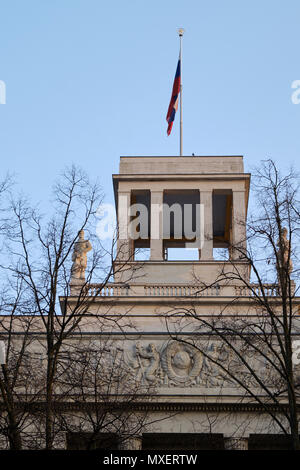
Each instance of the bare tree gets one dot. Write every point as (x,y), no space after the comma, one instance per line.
(38,256)
(12,304)
(252,349)
(96,372)
(11,419)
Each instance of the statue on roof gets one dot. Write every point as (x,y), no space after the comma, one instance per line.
(284,252)
(79,257)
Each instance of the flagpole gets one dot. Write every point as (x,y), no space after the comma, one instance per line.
(180,32)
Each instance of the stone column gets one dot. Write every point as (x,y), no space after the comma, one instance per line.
(132,443)
(124,243)
(238,223)
(235,443)
(156,241)
(60,441)
(206,252)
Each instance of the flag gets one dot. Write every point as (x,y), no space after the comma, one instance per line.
(173,106)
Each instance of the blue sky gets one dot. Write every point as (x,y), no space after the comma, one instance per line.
(88,81)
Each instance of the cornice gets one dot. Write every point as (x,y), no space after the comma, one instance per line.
(64,406)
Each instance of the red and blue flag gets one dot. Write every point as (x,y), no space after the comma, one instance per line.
(173,106)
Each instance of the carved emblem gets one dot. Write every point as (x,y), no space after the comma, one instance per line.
(176,364)
(182,363)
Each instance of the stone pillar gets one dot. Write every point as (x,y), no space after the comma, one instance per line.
(238,223)
(235,443)
(60,441)
(124,243)
(206,252)
(132,443)
(156,241)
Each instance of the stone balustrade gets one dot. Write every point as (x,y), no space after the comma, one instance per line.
(269,290)
(181,290)
(109,290)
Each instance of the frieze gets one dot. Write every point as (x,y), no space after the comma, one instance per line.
(176,364)
(214,366)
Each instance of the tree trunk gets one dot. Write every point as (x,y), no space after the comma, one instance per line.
(49,411)
(13,433)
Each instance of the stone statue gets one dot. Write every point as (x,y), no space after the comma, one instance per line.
(79,257)
(152,354)
(285,256)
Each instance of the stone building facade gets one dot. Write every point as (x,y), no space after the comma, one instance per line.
(186,374)
(194,401)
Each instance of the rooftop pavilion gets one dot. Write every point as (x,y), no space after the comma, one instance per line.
(189,201)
